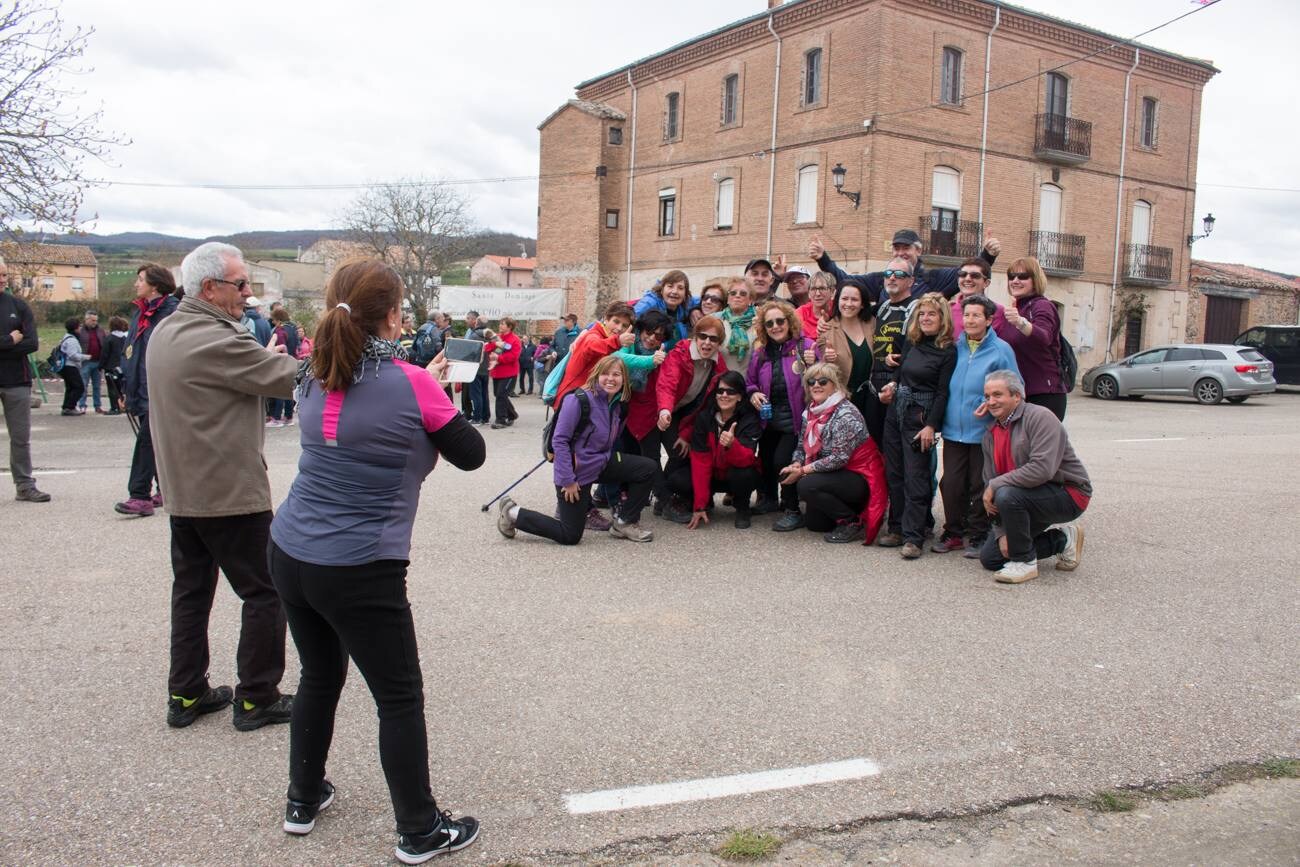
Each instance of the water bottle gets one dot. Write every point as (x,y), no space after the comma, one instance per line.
(765,411)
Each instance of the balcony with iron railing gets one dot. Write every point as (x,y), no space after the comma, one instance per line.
(1060,255)
(946,238)
(1148,266)
(1062,139)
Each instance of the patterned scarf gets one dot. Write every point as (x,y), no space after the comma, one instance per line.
(147,310)
(815,419)
(376,349)
(738,336)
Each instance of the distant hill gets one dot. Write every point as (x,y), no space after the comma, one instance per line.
(488,241)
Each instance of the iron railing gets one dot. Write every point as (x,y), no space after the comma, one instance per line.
(1147,264)
(943,235)
(1058,253)
(1057,134)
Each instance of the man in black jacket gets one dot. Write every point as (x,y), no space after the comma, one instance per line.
(17,340)
(907,246)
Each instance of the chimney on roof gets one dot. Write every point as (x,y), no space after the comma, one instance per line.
(772,4)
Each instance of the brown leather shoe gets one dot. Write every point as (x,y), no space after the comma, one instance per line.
(911,551)
(890,540)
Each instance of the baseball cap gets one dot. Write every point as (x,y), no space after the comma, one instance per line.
(797,269)
(753,262)
(906,236)
(252,301)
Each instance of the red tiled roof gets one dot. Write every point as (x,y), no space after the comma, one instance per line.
(513,263)
(1242,276)
(47,254)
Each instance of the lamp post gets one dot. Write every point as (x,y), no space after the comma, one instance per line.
(1208,223)
(837,176)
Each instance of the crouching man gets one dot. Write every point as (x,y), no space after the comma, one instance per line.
(1033,481)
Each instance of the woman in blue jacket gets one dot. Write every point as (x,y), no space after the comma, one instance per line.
(585,454)
(671,295)
(979,352)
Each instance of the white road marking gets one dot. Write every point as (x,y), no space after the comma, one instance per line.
(1152,440)
(718,787)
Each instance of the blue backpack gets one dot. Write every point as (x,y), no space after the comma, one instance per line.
(57,361)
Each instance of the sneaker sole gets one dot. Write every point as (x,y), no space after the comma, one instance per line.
(1078,553)
(407,858)
(254,725)
(619,534)
(1007,579)
(301,828)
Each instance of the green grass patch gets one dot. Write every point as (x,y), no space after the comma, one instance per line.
(1182,792)
(1274,768)
(748,846)
(1112,801)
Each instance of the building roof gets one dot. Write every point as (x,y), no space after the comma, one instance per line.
(596,109)
(513,263)
(47,254)
(1241,276)
(990,4)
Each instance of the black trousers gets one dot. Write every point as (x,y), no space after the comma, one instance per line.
(635,472)
(143,468)
(909,473)
(114,382)
(873,411)
(74,387)
(1054,402)
(739,482)
(237,546)
(526,379)
(501,389)
(775,451)
(835,497)
(962,489)
(358,612)
(651,446)
(1025,515)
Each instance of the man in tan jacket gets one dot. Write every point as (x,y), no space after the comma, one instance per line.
(208,379)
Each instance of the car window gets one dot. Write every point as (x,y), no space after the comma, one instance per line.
(1281,338)
(1253,337)
(1216,355)
(1251,355)
(1155,356)
(1185,353)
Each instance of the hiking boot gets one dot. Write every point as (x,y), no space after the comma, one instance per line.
(496,425)
(156,499)
(300,816)
(249,716)
(134,506)
(621,529)
(448,835)
(504,522)
(182,711)
(31,495)
(596,521)
(946,543)
(1068,559)
(850,531)
(911,551)
(787,522)
(658,507)
(743,520)
(678,511)
(1015,572)
(764,506)
(890,540)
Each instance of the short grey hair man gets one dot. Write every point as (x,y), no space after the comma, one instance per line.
(1010,378)
(207,262)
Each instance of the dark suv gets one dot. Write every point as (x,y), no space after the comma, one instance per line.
(1280,344)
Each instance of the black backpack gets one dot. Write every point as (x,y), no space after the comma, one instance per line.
(56,361)
(1068,363)
(584,421)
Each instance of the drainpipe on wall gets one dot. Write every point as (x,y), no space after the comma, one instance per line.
(631,175)
(1119,207)
(771,152)
(984,133)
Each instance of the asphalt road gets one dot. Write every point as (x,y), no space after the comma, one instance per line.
(556,671)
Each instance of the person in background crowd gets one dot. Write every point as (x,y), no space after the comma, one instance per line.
(427,341)
(74,384)
(686,377)
(93,340)
(796,280)
(507,348)
(973,278)
(918,399)
(892,316)
(774,378)
(254,322)
(738,318)
(373,428)
(304,344)
(1034,484)
(979,352)
(155,300)
(713,298)
(907,246)
(564,337)
(724,455)
(671,294)
(1033,328)
(820,290)
(527,355)
(763,279)
(18,339)
(846,339)
(474,394)
(836,469)
(541,364)
(406,338)
(208,379)
(284,333)
(587,455)
(643,360)
(111,363)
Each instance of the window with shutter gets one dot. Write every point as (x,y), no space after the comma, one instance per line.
(950,77)
(806,196)
(726,208)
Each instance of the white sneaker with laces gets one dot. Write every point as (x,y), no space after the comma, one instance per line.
(631,532)
(1068,559)
(1015,572)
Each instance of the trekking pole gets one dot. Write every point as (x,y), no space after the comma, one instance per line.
(489,503)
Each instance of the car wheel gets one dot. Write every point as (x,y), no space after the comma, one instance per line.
(1105,388)
(1207,391)
(1237,399)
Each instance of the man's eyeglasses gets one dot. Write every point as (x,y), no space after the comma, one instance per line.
(895,273)
(238,284)
(972,275)
(774,322)
(708,338)
(1019,275)
(727,392)
(816,380)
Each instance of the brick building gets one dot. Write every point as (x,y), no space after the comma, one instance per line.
(511,272)
(723,148)
(1225,300)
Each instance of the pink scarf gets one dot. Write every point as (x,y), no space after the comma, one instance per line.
(815,419)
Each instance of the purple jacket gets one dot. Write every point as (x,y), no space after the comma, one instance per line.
(759,376)
(582,461)
(1039,354)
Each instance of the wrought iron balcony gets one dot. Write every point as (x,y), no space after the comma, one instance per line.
(1062,139)
(1059,254)
(945,237)
(1148,266)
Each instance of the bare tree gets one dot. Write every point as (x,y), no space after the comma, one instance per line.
(418,225)
(43,142)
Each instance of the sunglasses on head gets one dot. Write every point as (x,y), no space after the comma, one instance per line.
(897,274)
(972,275)
(708,337)
(723,391)
(816,380)
(1019,275)
(774,322)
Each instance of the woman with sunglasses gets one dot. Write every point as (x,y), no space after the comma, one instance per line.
(671,294)
(917,396)
(846,339)
(973,278)
(835,469)
(724,446)
(643,359)
(686,377)
(738,317)
(713,298)
(780,356)
(1033,328)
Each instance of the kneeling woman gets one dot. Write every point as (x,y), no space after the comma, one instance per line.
(837,470)
(724,453)
(584,454)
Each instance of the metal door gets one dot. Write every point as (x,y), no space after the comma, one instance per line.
(1145,371)
(1181,367)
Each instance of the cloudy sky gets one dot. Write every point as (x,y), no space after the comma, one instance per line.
(292,93)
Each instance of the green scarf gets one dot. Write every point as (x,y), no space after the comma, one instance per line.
(738,339)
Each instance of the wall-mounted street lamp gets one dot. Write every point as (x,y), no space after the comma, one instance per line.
(1208,223)
(837,175)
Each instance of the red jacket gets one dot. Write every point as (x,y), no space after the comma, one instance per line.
(809,319)
(711,461)
(508,361)
(867,463)
(675,376)
(591,346)
(642,409)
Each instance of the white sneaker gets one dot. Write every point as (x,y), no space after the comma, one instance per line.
(1015,572)
(504,524)
(631,532)
(274,423)
(1068,559)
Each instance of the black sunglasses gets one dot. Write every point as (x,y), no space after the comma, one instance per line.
(895,273)
(816,380)
(238,284)
(716,299)
(708,338)
(1018,275)
(774,323)
(972,275)
(728,392)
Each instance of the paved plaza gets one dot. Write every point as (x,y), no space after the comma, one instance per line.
(553,674)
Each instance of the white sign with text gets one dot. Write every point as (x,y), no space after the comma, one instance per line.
(493,303)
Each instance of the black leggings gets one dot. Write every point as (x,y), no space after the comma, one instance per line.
(635,472)
(835,497)
(1054,402)
(73,386)
(337,612)
(651,446)
(775,451)
(505,409)
(739,482)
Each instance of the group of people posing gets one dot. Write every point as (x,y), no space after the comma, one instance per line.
(828,406)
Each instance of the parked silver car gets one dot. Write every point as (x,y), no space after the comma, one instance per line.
(1208,372)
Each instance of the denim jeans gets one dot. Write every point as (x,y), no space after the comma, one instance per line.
(1025,515)
(478,395)
(90,377)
